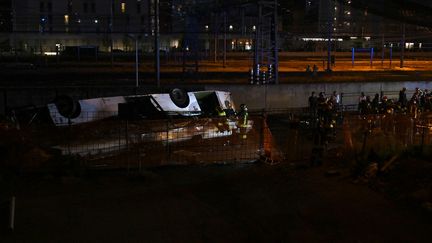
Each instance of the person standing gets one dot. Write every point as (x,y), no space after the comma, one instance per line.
(414,102)
(375,103)
(243,115)
(335,100)
(313,103)
(403,101)
(362,102)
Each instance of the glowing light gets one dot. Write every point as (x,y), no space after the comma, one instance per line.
(123,7)
(66,19)
(321,39)
(50,53)
(409,45)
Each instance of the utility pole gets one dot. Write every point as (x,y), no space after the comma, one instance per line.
(275,44)
(225,40)
(266,43)
(216,38)
(329,36)
(157,42)
(111,32)
(382,50)
(136,63)
(402,47)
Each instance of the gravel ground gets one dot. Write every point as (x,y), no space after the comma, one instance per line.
(230,203)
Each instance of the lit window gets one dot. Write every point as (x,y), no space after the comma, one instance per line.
(66,19)
(123,7)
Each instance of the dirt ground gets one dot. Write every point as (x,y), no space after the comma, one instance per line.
(214,203)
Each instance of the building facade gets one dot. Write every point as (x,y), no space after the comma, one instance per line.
(363,24)
(41,26)
(50,25)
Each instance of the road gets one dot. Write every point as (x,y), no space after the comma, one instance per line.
(235,72)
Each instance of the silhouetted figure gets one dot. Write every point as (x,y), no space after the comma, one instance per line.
(403,101)
(313,103)
(375,103)
(315,70)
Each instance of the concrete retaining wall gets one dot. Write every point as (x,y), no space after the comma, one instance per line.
(296,95)
(257,97)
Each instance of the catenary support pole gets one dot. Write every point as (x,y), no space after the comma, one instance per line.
(157,43)
(402,55)
(136,63)
(225,40)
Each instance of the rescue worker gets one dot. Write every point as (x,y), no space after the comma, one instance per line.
(423,99)
(403,101)
(375,104)
(415,100)
(335,99)
(321,104)
(243,115)
(313,103)
(362,103)
(222,123)
(220,112)
(427,101)
(368,105)
(229,111)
